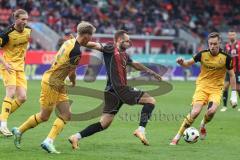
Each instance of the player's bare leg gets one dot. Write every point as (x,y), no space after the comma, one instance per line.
(149,104)
(225,96)
(212,109)
(64,115)
(105,121)
(21,97)
(189,119)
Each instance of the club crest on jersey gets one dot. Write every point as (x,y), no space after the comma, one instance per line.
(220,61)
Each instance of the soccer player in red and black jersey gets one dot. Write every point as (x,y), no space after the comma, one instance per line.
(232,48)
(117,92)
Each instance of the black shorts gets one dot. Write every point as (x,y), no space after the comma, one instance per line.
(237,75)
(227,78)
(115,99)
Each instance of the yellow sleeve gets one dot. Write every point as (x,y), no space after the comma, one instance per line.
(197,57)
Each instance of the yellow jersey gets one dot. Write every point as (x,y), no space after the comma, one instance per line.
(66,60)
(213,68)
(14,45)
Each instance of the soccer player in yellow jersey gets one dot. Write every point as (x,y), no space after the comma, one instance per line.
(53,90)
(14,43)
(209,85)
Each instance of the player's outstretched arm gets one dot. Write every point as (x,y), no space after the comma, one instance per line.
(185,63)
(94,45)
(72,77)
(232,79)
(233,99)
(140,67)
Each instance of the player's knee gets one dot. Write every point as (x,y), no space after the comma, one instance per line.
(195,113)
(10,95)
(66,117)
(10,91)
(105,125)
(44,118)
(226,87)
(151,100)
(22,98)
(211,112)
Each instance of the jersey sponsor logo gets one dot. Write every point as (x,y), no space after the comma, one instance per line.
(220,61)
(213,67)
(232,50)
(234,53)
(19,44)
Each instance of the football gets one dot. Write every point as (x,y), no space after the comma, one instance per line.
(191,135)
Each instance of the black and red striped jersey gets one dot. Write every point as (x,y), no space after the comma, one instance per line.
(116,66)
(234,51)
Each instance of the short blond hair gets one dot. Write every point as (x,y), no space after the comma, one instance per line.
(85,28)
(19,12)
(214,34)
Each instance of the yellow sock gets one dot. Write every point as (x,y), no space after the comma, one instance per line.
(6,108)
(186,123)
(31,122)
(56,128)
(15,105)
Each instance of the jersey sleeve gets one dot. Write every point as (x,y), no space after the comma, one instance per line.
(108,48)
(197,57)
(229,63)
(74,54)
(3,39)
(129,60)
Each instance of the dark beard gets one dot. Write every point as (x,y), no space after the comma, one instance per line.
(122,48)
(232,41)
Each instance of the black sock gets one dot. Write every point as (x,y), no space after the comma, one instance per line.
(225,98)
(90,130)
(146,114)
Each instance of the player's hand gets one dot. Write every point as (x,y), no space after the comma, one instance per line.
(152,73)
(180,61)
(8,67)
(72,77)
(157,76)
(71,36)
(73,81)
(233,99)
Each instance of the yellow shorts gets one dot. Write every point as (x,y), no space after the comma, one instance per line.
(15,78)
(204,95)
(49,96)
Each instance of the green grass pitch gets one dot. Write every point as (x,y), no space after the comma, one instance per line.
(117,142)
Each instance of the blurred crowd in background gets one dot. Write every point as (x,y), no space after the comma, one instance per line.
(142,17)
